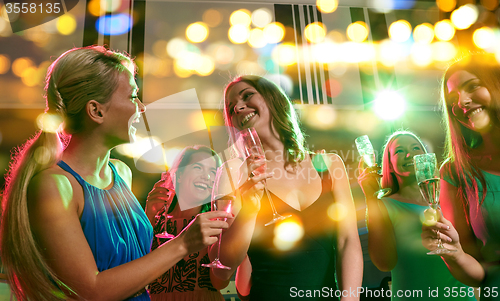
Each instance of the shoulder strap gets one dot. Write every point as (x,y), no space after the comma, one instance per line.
(66,167)
(322,169)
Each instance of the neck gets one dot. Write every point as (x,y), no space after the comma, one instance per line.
(408,189)
(86,156)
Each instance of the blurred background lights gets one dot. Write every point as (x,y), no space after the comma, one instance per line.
(423,33)
(206,66)
(241,16)
(285,54)
(287,233)
(337,212)
(464,16)
(261,17)
(389,105)
(212,17)
(4,64)
(176,46)
(443,51)
(322,117)
(21,64)
(333,88)
(327,6)
(389,53)
(483,37)
(421,54)
(223,54)
(110,5)
(357,31)
(238,34)
(489,4)
(49,122)
(257,39)
(95,8)
(444,30)
(274,32)
(446,5)
(315,32)
(66,24)
(400,31)
(141,146)
(353,52)
(29,77)
(113,24)
(197,32)
(325,53)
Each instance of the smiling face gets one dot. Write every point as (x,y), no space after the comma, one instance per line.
(401,151)
(470,100)
(195,180)
(247,108)
(124,108)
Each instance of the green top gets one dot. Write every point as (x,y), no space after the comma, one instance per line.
(485,223)
(416,274)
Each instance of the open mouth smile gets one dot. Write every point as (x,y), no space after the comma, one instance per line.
(247,118)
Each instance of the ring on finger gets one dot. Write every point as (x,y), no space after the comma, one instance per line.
(252,174)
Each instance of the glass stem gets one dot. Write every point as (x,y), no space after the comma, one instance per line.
(271,203)
(218,247)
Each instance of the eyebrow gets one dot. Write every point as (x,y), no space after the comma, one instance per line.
(464,83)
(241,92)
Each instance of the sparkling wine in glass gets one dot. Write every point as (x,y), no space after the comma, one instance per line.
(249,145)
(427,174)
(365,149)
(220,202)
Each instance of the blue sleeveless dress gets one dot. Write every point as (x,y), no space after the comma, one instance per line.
(114,223)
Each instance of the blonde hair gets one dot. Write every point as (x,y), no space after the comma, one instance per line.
(76,77)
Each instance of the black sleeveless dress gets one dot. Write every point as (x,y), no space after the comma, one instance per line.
(306,268)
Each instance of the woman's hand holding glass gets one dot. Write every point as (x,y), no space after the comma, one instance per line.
(369,179)
(441,229)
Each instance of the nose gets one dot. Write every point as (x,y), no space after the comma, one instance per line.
(464,100)
(408,155)
(240,106)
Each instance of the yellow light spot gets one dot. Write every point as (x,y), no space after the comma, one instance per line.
(66,24)
(327,6)
(29,76)
(176,46)
(4,64)
(357,31)
(285,54)
(42,155)
(464,16)
(21,64)
(274,32)
(353,52)
(446,5)
(196,120)
(326,52)
(444,30)
(389,53)
(206,66)
(421,54)
(95,8)
(180,71)
(287,233)
(257,39)
(315,32)
(212,17)
(49,122)
(160,48)
(483,37)
(400,31)
(337,212)
(238,34)
(335,36)
(261,17)
(489,4)
(224,54)
(443,51)
(197,32)
(423,33)
(242,17)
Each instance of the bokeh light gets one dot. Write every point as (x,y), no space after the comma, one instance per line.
(490,4)
(176,46)
(315,32)
(29,76)
(322,117)
(325,53)
(327,6)
(4,64)
(242,17)
(446,5)
(206,66)
(483,37)
(111,5)
(287,233)
(197,32)
(389,53)
(353,52)
(389,105)
(357,31)
(66,24)
(49,122)
(333,88)
(113,24)
(21,64)
(222,54)
(212,17)
(423,33)
(443,51)
(274,32)
(444,30)
(400,31)
(239,34)
(464,16)
(337,212)
(261,17)
(421,54)
(94,8)
(285,54)
(257,38)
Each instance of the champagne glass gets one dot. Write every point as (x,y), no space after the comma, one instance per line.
(220,202)
(365,149)
(250,145)
(165,234)
(427,173)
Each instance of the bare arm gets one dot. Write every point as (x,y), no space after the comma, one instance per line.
(456,233)
(349,254)
(381,238)
(53,209)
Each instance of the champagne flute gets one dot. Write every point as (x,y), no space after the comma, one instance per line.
(220,202)
(365,149)
(165,234)
(250,145)
(427,174)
